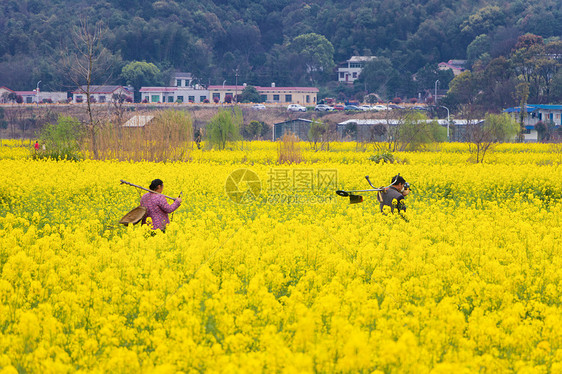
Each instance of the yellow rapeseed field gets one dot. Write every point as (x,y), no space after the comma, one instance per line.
(295,280)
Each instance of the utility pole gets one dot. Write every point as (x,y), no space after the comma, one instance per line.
(37,94)
(236,85)
(435,98)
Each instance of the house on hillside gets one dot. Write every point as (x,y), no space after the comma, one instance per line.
(349,71)
(457,66)
(102,93)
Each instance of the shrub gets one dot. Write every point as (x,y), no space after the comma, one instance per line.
(317,130)
(62,139)
(385,157)
(224,128)
(289,150)
(416,132)
(3,122)
(255,129)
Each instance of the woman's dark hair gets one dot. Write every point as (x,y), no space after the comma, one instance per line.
(155,183)
(397,179)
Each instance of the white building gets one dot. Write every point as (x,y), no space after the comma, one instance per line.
(349,71)
(181,90)
(30,97)
(101,94)
(42,97)
(180,79)
(174,94)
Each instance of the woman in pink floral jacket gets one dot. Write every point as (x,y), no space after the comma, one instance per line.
(157,208)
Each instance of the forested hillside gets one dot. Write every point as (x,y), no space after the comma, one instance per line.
(260,38)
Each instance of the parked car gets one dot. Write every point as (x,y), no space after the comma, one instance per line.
(323,108)
(366,108)
(396,106)
(296,108)
(351,107)
(259,107)
(339,107)
(381,107)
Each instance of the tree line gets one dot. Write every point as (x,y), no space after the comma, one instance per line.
(284,41)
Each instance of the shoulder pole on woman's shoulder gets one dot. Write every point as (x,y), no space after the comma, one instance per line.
(146,189)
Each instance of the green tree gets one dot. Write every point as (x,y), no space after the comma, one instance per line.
(429,74)
(556,88)
(498,90)
(315,53)
(141,73)
(479,46)
(522,95)
(249,95)
(379,76)
(317,131)
(483,21)
(463,89)
(255,129)
(416,131)
(224,128)
(62,139)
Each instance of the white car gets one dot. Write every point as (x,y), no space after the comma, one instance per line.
(366,108)
(259,107)
(296,108)
(323,108)
(381,107)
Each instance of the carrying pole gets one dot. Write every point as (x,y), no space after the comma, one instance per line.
(146,189)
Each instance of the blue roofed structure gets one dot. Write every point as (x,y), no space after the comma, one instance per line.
(536,113)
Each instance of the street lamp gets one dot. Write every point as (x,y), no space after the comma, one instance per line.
(435,98)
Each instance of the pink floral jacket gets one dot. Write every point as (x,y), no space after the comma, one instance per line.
(157,208)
